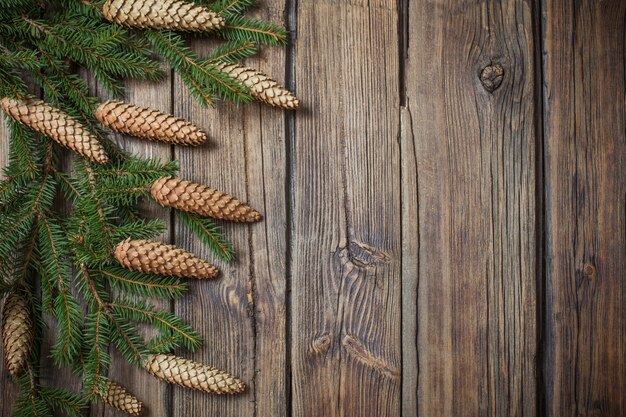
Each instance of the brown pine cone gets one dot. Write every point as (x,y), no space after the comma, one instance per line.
(158,258)
(147,123)
(52,122)
(117,397)
(162,14)
(17,333)
(200,199)
(261,86)
(186,373)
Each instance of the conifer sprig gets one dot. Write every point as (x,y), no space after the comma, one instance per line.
(66,251)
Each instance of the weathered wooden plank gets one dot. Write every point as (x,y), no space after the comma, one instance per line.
(474,155)
(242,314)
(264,130)
(346,353)
(218,309)
(585,171)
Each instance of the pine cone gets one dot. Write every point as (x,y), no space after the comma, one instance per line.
(158,258)
(162,14)
(52,122)
(261,86)
(117,396)
(147,123)
(200,199)
(192,375)
(17,333)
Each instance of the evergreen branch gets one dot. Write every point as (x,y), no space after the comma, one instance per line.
(228,8)
(204,81)
(210,234)
(143,284)
(163,343)
(231,52)
(45,42)
(257,31)
(66,309)
(127,340)
(138,229)
(62,400)
(143,313)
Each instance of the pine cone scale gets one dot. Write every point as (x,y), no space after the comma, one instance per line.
(17,333)
(160,14)
(200,199)
(52,122)
(118,397)
(148,123)
(159,258)
(189,374)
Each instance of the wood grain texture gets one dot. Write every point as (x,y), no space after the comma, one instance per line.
(407,205)
(585,155)
(474,154)
(346,211)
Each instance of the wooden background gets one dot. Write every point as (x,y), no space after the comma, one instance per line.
(429,248)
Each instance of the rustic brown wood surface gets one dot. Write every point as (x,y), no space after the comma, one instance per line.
(585,172)
(444,228)
(469,151)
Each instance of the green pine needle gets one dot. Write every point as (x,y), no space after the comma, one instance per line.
(257,31)
(143,284)
(232,52)
(210,234)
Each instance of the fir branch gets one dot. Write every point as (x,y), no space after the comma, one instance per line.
(44,42)
(138,229)
(205,82)
(163,343)
(143,284)
(142,312)
(257,31)
(232,52)
(64,401)
(228,8)
(56,269)
(127,339)
(210,234)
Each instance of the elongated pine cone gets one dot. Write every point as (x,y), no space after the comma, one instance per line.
(162,14)
(158,258)
(117,397)
(52,122)
(186,373)
(17,333)
(262,87)
(200,199)
(147,123)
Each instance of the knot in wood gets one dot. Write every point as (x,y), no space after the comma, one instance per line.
(589,270)
(491,77)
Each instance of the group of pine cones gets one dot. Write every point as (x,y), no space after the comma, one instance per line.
(141,255)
